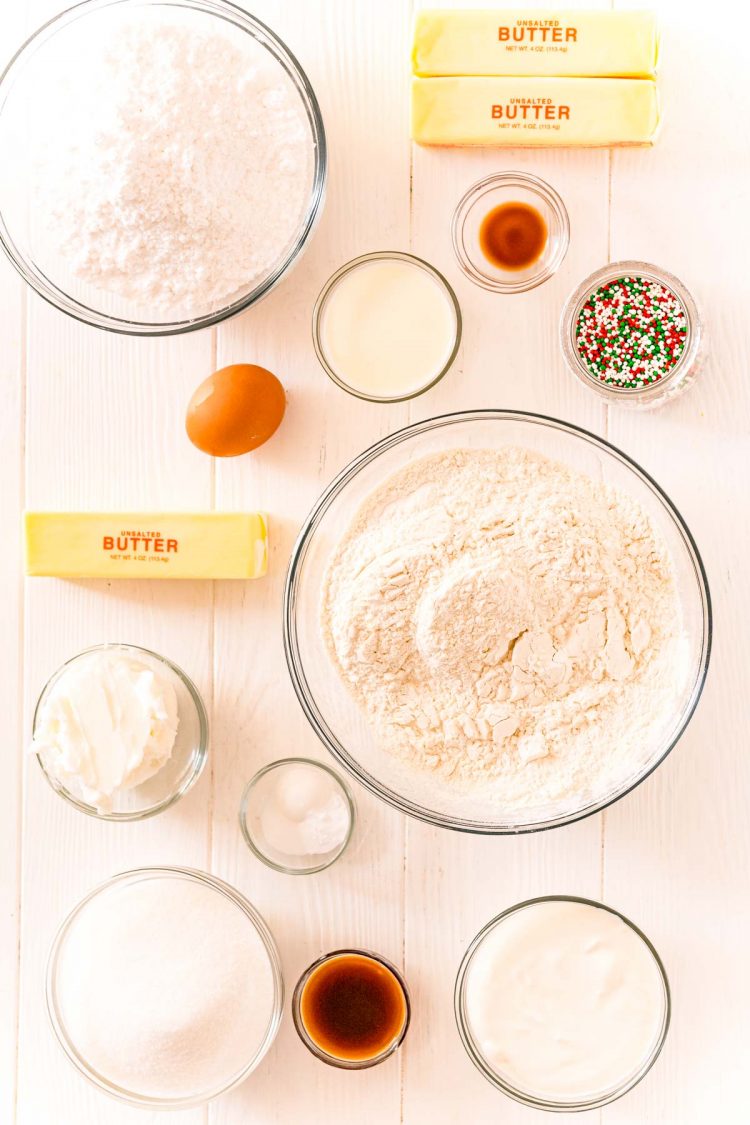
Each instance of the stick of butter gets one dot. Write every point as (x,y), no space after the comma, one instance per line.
(536,42)
(523,112)
(146,544)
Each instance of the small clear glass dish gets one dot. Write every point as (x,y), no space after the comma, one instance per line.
(483,1065)
(258,830)
(177,775)
(55,993)
(677,379)
(338,376)
(483,197)
(386,968)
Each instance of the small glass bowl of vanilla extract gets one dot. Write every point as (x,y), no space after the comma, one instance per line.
(351,1009)
(511,232)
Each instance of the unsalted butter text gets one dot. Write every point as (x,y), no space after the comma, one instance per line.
(538,32)
(538,109)
(145,543)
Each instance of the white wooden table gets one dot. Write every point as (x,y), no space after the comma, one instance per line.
(92,420)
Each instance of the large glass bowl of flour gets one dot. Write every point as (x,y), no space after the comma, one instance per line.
(168,163)
(497,622)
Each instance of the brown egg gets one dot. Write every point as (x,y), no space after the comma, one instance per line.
(235,410)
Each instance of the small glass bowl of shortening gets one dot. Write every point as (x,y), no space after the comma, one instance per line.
(297,816)
(120,732)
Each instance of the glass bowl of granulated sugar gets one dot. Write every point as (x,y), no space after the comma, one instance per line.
(169,163)
(497,622)
(164,988)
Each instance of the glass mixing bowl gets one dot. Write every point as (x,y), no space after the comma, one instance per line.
(570,1104)
(332,712)
(56,991)
(29,246)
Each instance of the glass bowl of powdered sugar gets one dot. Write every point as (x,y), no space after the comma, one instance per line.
(497,622)
(169,162)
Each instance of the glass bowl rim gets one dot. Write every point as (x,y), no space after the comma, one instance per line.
(262,930)
(475,1054)
(355,263)
(199,756)
(581,293)
(295,666)
(345,789)
(472,195)
(238,17)
(318,1052)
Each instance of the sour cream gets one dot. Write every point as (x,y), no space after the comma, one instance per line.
(108,723)
(565,1001)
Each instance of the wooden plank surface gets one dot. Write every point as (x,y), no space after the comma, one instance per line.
(675,854)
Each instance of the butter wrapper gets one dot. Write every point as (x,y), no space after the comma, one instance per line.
(146,544)
(542,42)
(534,112)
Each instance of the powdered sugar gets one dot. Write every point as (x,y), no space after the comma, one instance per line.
(177,161)
(506,623)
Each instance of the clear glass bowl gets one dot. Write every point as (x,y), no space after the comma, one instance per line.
(257,792)
(339,377)
(177,775)
(483,197)
(29,248)
(335,1060)
(333,713)
(57,1016)
(475,1053)
(678,379)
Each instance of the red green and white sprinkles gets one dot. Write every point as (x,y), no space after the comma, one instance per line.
(631,332)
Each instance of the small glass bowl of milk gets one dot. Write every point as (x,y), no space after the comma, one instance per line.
(386,327)
(562,1003)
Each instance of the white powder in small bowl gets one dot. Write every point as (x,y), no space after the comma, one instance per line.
(164,986)
(175,158)
(304,812)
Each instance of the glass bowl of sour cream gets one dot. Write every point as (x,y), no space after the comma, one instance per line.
(562,1003)
(120,732)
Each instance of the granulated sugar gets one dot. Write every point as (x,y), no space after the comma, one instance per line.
(506,623)
(165,987)
(176,160)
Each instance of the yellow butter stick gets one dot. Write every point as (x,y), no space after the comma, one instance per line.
(536,42)
(146,544)
(523,112)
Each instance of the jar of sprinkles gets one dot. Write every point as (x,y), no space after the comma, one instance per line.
(632,333)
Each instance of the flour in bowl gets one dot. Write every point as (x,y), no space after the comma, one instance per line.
(507,623)
(175,158)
